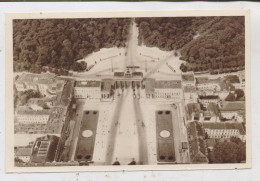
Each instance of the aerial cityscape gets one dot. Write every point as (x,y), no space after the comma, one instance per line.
(129,91)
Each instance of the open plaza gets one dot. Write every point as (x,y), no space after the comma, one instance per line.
(131,106)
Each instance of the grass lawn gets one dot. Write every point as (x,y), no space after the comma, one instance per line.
(87,135)
(164,136)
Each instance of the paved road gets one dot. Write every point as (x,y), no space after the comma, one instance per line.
(78,118)
(141,130)
(113,130)
(124,127)
(158,66)
(176,132)
(130,45)
(186,154)
(179,135)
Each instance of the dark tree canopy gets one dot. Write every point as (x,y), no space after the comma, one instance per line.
(233,151)
(215,44)
(59,43)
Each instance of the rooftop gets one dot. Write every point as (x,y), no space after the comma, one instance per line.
(207,114)
(66,95)
(119,74)
(200,80)
(197,148)
(23,151)
(87,84)
(44,149)
(206,80)
(43,78)
(57,113)
(40,101)
(187,77)
(193,108)
(224,125)
(233,79)
(27,111)
(213,108)
(189,89)
(139,74)
(168,84)
(209,97)
(233,106)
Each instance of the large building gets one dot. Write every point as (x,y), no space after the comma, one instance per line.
(23,154)
(128,78)
(107,89)
(45,115)
(208,85)
(44,149)
(234,80)
(163,89)
(29,116)
(234,111)
(168,89)
(87,89)
(190,94)
(222,130)
(45,83)
(206,100)
(149,88)
(197,144)
(188,79)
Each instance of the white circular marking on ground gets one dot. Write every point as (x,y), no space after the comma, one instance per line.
(165,133)
(87,133)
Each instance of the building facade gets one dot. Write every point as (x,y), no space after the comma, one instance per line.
(44,149)
(188,79)
(205,84)
(233,111)
(23,153)
(107,89)
(87,89)
(37,82)
(28,116)
(165,89)
(206,100)
(224,130)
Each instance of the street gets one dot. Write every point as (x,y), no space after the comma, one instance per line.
(126,128)
(77,118)
(141,130)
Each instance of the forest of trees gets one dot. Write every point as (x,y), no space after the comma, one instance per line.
(215,44)
(59,43)
(233,151)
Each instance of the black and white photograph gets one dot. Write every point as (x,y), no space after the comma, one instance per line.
(128,91)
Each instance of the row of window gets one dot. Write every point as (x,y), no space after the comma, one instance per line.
(97,96)
(97,91)
(32,116)
(167,94)
(220,136)
(33,121)
(219,131)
